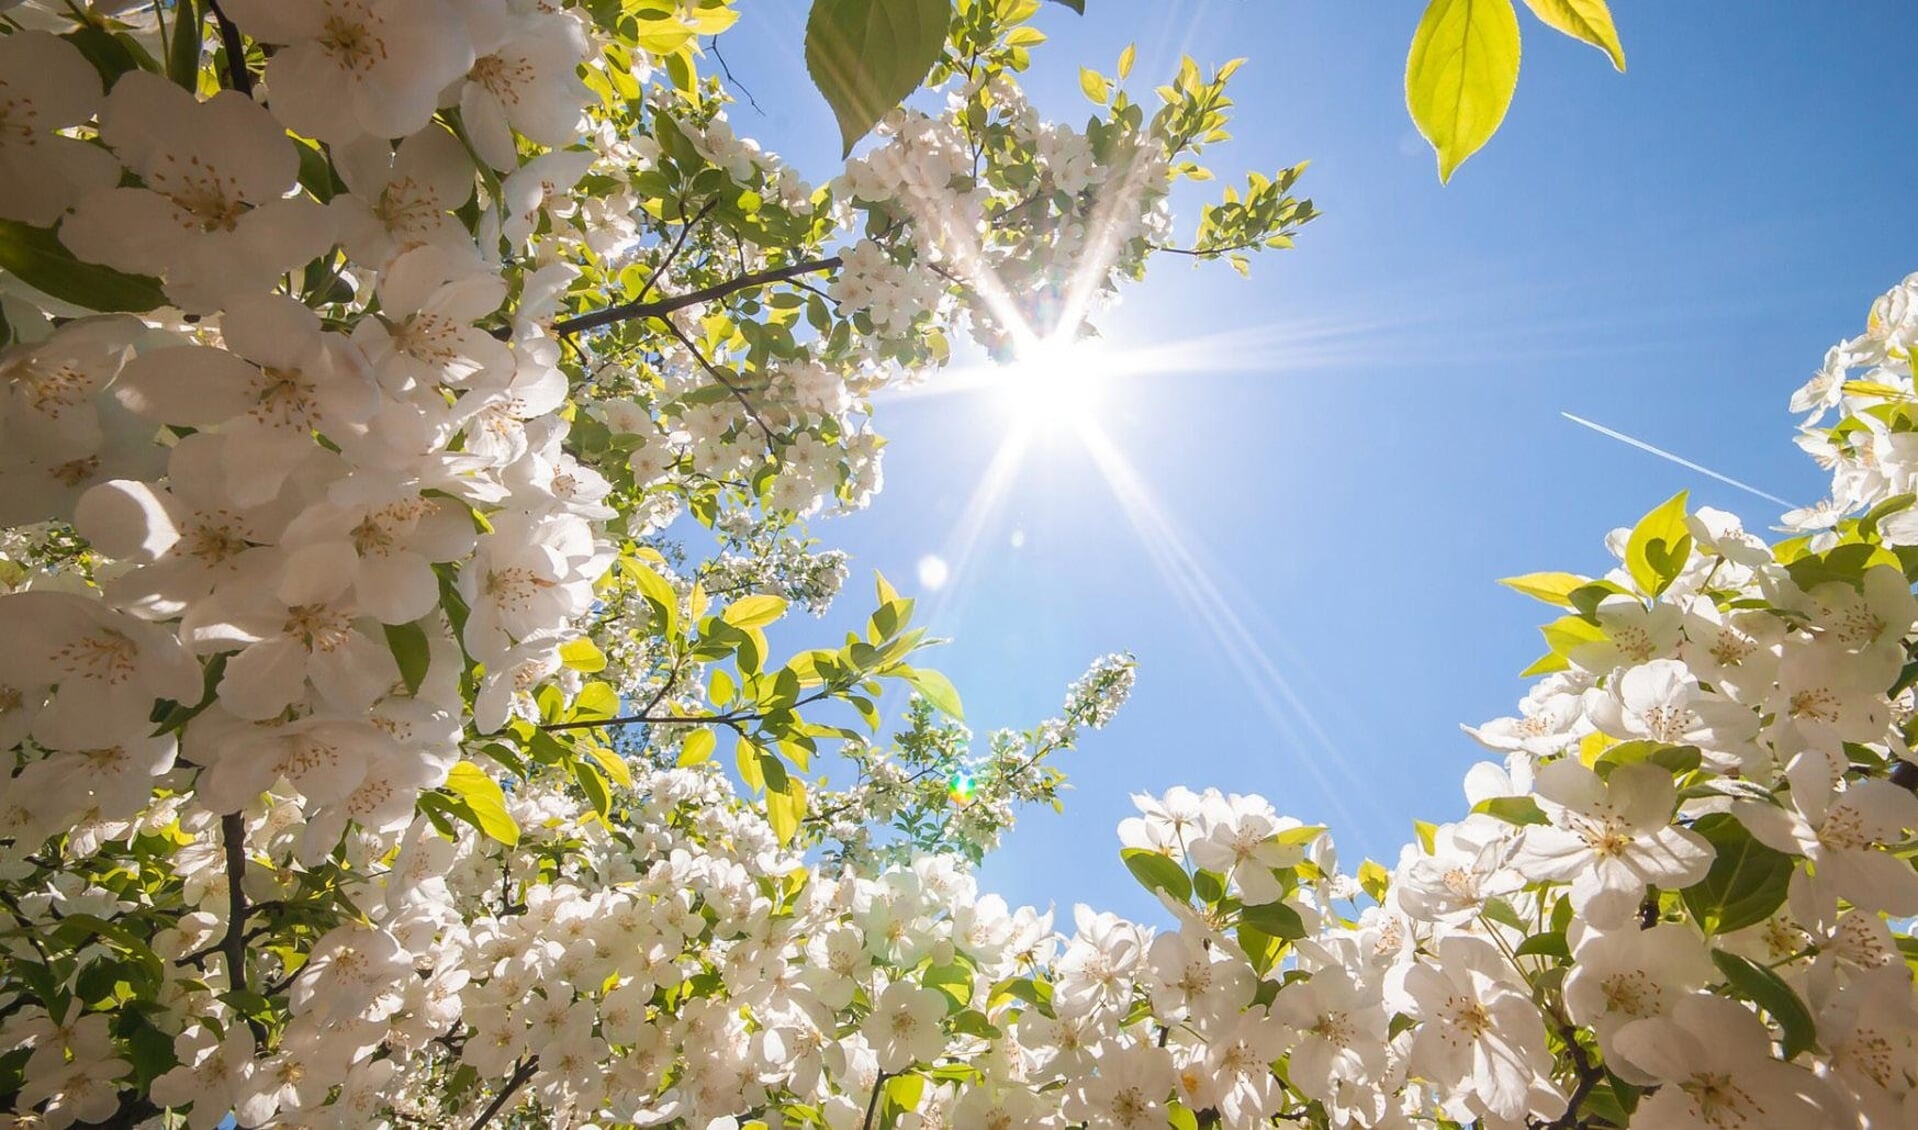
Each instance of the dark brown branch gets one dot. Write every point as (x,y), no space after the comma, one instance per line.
(237,76)
(626,311)
(872,1104)
(520,1075)
(233,835)
(1588,1076)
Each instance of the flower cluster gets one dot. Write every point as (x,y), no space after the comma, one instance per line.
(358,711)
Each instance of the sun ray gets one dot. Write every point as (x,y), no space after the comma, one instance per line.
(982,506)
(1172,553)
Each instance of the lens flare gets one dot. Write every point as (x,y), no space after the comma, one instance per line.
(961,787)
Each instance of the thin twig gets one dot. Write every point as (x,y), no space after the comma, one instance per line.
(713,46)
(739,394)
(731,718)
(626,311)
(521,1074)
(237,76)
(678,246)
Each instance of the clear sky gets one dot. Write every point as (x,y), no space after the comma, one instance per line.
(1667,252)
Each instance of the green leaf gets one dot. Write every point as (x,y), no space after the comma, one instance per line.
(1589,21)
(408,645)
(697,747)
(1078,6)
(937,690)
(1552,588)
(1179,1118)
(1274,918)
(1512,809)
(1675,759)
(183,50)
(1158,872)
(41,261)
(1747,880)
(1659,546)
(594,785)
(1551,944)
(1461,74)
(1768,991)
(867,56)
(906,1090)
(488,804)
(582,655)
(755,611)
(955,981)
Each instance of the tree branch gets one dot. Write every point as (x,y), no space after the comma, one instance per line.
(233,835)
(731,718)
(872,1104)
(521,1073)
(626,311)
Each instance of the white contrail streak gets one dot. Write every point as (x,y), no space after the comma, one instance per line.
(1680,460)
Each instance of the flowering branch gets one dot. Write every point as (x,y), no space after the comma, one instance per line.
(627,311)
(739,394)
(872,1104)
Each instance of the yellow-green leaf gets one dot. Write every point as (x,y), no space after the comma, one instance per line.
(582,655)
(1095,85)
(1461,74)
(613,763)
(786,808)
(1659,546)
(482,794)
(937,690)
(697,747)
(1552,588)
(1126,58)
(1587,20)
(755,611)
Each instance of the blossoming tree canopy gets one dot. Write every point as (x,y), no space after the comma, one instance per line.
(385,751)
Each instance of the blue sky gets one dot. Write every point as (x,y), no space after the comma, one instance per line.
(1668,252)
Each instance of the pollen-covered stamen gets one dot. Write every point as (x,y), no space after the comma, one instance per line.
(503,78)
(206,199)
(212,542)
(351,38)
(106,656)
(1631,993)
(50,389)
(284,398)
(1336,1029)
(1818,704)
(1721,1102)
(514,588)
(321,627)
(75,471)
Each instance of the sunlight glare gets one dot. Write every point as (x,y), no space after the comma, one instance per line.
(1054,383)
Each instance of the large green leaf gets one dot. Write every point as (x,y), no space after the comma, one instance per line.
(45,264)
(410,650)
(1158,872)
(1461,74)
(1769,991)
(867,56)
(1747,880)
(1586,20)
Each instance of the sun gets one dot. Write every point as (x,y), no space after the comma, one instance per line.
(1054,384)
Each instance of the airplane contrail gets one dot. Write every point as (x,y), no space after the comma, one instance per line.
(1680,460)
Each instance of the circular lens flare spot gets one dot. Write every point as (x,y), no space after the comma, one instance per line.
(961,787)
